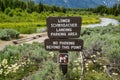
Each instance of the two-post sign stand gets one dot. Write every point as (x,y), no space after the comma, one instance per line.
(62,32)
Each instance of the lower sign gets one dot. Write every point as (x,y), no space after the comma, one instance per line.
(63,44)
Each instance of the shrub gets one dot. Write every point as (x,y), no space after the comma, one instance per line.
(25,59)
(7,34)
(50,71)
(11,13)
(7,10)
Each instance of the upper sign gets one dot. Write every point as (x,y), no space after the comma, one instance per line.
(64,27)
(63,44)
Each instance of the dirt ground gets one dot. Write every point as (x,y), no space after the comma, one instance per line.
(41,39)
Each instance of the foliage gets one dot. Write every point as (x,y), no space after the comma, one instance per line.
(28,17)
(29,23)
(7,34)
(49,71)
(109,36)
(101,10)
(115,10)
(7,10)
(17,62)
(29,6)
(94,76)
(103,40)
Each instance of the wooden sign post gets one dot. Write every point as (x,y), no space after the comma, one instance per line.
(62,31)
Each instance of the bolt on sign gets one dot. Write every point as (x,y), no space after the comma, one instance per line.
(64,44)
(64,27)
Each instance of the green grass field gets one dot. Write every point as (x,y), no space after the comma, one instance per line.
(29,23)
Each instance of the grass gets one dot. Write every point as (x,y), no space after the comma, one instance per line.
(89,75)
(90,20)
(29,23)
(23,27)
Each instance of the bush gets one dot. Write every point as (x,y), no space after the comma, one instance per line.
(19,61)
(7,34)
(7,10)
(50,71)
(11,13)
(108,36)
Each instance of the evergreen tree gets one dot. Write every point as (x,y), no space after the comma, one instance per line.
(40,7)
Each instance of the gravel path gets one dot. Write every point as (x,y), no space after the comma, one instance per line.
(3,44)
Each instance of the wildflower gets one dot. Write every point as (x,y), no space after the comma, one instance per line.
(79,59)
(74,69)
(4,62)
(87,69)
(6,73)
(51,54)
(86,64)
(79,68)
(94,55)
(31,63)
(77,64)
(14,71)
(104,66)
(98,53)
(93,70)
(98,77)
(75,78)
(14,65)
(75,61)
(100,63)
(94,60)
(1,71)
(5,66)
(91,56)
(16,68)
(89,61)
(9,68)
(28,60)
(85,60)
(23,63)
(115,74)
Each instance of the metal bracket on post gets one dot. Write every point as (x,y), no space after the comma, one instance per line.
(63,61)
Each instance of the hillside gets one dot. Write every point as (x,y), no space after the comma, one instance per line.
(79,3)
